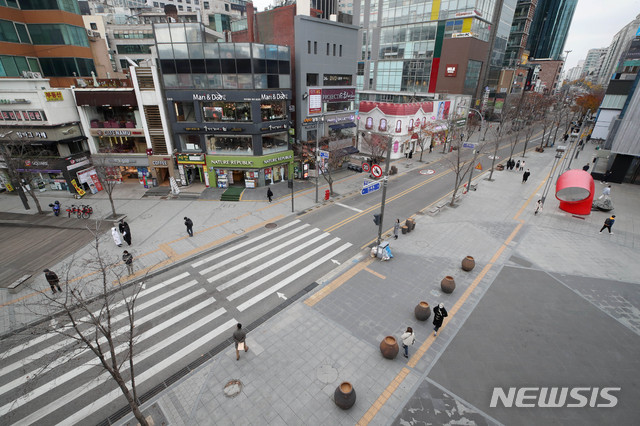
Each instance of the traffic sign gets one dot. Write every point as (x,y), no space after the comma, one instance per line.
(376,171)
(323,154)
(468,145)
(373,187)
(367,182)
(479,166)
(365,167)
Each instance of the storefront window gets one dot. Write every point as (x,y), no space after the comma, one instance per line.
(229,145)
(273,110)
(226,111)
(122,145)
(190,142)
(184,111)
(274,142)
(339,106)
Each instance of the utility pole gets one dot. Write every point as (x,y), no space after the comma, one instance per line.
(384,193)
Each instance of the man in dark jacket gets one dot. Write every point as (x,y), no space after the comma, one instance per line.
(125,231)
(439,313)
(189,224)
(127,258)
(269,193)
(525,176)
(608,223)
(52,279)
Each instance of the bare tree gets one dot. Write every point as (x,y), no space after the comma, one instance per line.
(332,165)
(501,128)
(459,160)
(375,144)
(108,180)
(92,316)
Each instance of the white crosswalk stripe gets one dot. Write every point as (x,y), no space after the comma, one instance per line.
(176,318)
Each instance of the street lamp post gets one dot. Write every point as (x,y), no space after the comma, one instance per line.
(384,193)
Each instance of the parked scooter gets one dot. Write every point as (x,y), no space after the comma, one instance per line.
(56,207)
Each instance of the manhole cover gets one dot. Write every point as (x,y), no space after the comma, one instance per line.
(232,388)
(326,373)
(271,225)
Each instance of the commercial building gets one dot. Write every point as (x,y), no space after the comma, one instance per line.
(228,106)
(549,28)
(44,39)
(43,127)
(619,45)
(593,63)
(517,52)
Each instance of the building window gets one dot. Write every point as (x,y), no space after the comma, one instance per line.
(274,142)
(23,33)
(206,4)
(180,8)
(472,76)
(94,26)
(312,79)
(309,47)
(184,111)
(340,50)
(8,32)
(188,8)
(156,4)
(128,49)
(229,145)
(226,7)
(315,47)
(226,111)
(58,34)
(327,49)
(334,50)
(273,110)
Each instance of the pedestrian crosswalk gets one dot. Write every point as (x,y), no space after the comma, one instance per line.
(55,379)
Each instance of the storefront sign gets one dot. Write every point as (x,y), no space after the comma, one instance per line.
(53,96)
(36,163)
(315,101)
(190,158)
(231,162)
(272,127)
(77,187)
(14,101)
(218,161)
(31,135)
(336,80)
(222,129)
(160,163)
(273,96)
(117,132)
(77,163)
(340,118)
(209,97)
(23,115)
(338,95)
(277,159)
(451,70)
(193,129)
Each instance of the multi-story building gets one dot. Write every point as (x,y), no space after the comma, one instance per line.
(46,38)
(576,72)
(228,107)
(619,45)
(549,28)
(417,50)
(593,63)
(517,52)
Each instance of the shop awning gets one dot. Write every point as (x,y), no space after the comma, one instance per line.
(346,151)
(342,126)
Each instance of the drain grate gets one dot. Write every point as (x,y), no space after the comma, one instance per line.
(232,388)
(271,225)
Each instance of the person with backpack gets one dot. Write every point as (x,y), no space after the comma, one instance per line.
(608,223)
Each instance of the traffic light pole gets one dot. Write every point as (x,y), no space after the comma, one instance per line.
(384,194)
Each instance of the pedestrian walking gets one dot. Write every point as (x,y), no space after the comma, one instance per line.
(189,224)
(408,338)
(123,227)
(269,193)
(239,337)
(525,176)
(116,236)
(606,192)
(518,165)
(538,207)
(585,167)
(439,313)
(53,280)
(608,223)
(128,260)
(396,228)
(521,168)
(411,154)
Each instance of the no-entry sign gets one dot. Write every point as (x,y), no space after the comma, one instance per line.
(376,171)
(365,167)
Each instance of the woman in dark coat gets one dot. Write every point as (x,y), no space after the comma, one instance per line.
(123,227)
(439,313)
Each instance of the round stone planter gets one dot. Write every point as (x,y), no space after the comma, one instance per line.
(389,347)
(468,263)
(422,311)
(448,284)
(345,395)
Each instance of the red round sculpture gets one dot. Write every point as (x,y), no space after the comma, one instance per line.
(575,190)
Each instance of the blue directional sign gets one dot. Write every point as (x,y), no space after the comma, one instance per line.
(468,145)
(373,187)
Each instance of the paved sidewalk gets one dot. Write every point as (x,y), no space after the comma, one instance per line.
(546,290)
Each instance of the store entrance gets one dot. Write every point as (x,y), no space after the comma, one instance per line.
(238,177)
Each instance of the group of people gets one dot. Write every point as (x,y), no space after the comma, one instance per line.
(124,230)
(513,164)
(408,338)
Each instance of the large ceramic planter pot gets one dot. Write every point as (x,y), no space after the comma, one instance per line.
(448,284)
(422,311)
(468,263)
(411,224)
(345,395)
(389,347)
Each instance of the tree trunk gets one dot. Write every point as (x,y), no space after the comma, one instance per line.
(493,161)
(135,408)
(35,199)
(113,207)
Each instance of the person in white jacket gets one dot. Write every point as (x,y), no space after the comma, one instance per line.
(408,338)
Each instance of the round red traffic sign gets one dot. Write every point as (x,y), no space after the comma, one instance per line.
(365,167)
(376,171)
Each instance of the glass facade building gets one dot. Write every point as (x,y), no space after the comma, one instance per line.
(550,27)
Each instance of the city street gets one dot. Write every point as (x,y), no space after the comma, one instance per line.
(316,308)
